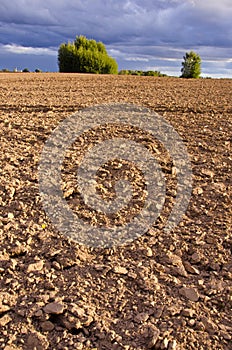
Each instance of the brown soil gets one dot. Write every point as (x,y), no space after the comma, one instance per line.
(162,291)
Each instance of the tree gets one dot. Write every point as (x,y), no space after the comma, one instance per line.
(26,70)
(191,66)
(149,73)
(85,56)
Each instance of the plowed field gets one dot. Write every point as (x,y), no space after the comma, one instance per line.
(161,291)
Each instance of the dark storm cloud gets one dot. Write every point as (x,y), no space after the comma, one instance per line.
(138,33)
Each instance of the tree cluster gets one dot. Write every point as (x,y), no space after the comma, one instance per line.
(149,73)
(85,56)
(15,70)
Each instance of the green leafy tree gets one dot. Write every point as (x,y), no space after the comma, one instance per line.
(67,57)
(124,72)
(148,73)
(191,66)
(85,56)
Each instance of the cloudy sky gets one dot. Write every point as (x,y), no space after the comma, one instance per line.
(139,34)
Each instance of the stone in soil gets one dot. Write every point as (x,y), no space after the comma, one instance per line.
(190,293)
(54,308)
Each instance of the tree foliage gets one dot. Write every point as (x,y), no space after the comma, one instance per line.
(149,73)
(191,66)
(85,56)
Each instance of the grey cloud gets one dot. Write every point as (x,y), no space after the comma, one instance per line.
(137,30)
(26,12)
(141,21)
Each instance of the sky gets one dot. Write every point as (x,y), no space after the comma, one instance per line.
(139,34)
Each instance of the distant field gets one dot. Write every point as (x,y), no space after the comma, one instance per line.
(160,289)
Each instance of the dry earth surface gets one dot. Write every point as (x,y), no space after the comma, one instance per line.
(162,291)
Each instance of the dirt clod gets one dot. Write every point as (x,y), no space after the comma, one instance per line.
(190,293)
(54,308)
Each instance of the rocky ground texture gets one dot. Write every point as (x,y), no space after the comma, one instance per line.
(161,291)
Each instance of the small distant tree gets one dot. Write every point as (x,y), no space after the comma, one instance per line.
(37,70)
(26,70)
(123,72)
(191,66)
(148,73)
(85,56)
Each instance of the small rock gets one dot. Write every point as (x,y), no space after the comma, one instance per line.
(141,317)
(154,338)
(120,270)
(190,293)
(65,323)
(201,282)
(68,192)
(211,240)
(12,347)
(196,257)
(99,267)
(54,308)
(37,341)
(225,335)
(219,186)
(13,264)
(173,259)
(179,270)
(83,256)
(18,250)
(214,266)
(158,312)
(174,310)
(77,311)
(190,268)
(172,345)
(174,171)
(88,320)
(56,265)
(197,191)
(191,322)
(149,252)
(210,327)
(37,266)
(164,344)
(4,320)
(4,308)
(47,326)
(207,172)
(199,326)
(215,286)
(10,216)
(188,312)
(38,313)
(132,275)
(71,322)
(21,312)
